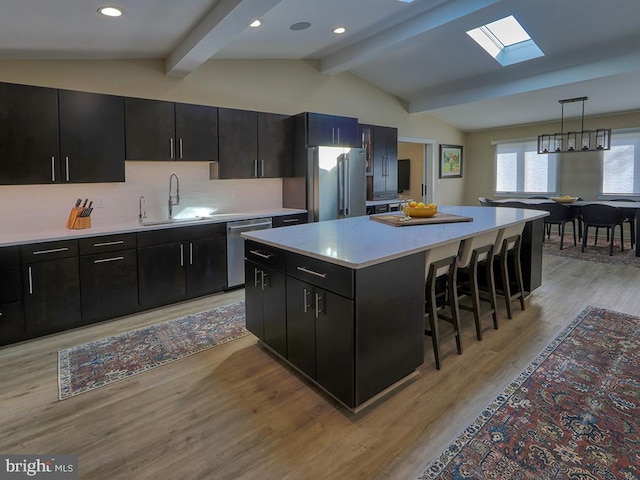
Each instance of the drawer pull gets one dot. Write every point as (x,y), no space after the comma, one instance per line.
(108,244)
(317,274)
(289,220)
(261,255)
(112,259)
(53,250)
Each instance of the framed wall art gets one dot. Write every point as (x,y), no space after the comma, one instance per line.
(450,161)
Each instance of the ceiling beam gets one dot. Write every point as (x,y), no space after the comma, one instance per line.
(578,73)
(225,21)
(392,38)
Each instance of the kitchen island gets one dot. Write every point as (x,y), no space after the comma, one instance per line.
(342,301)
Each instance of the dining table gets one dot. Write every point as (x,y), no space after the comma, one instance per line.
(580,203)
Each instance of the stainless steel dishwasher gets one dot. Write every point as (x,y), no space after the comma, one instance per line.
(235,247)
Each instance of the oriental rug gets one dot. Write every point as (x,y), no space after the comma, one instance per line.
(592,253)
(573,413)
(103,362)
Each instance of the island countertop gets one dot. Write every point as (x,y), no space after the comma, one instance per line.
(360,242)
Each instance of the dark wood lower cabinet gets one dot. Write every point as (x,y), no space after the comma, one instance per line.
(11,323)
(51,293)
(109,283)
(206,266)
(161,275)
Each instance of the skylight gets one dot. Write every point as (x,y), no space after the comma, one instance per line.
(506,41)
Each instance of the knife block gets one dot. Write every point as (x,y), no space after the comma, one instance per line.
(75,222)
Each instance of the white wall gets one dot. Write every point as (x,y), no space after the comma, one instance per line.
(281,86)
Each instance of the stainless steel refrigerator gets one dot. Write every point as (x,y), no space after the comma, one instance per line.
(336,182)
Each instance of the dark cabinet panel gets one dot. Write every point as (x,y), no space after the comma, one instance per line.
(11,323)
(206,266)
(238,143)
(51,295)
(301,326)
(109,285)
(9,284)
(150,129)
(384,152)
(196,132)
(266,305)
(332,130)
(29,150)
(288,220)
(91,137)
(275,145)
(161,274)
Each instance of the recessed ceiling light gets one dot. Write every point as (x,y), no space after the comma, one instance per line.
(339,30)
(300,26)
(255,23)
(111,11)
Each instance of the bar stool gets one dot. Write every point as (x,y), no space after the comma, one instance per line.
(441,263)
(510,248)
(476,252)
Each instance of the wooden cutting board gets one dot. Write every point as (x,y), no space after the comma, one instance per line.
(396,220)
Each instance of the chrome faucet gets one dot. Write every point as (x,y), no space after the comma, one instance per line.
(177,195)
(141,215)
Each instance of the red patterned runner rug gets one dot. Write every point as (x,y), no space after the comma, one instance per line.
(102,362)
(573,413)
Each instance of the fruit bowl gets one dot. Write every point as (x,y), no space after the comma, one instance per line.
(564,199)
(421,212)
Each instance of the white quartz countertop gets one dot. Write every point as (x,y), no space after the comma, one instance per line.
(33,234)
(359,242)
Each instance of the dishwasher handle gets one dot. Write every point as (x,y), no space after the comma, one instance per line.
(235,229)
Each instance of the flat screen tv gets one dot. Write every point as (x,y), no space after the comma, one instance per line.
(404,174)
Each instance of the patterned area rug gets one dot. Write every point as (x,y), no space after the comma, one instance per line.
(102,362)
(574,412)
(592,253)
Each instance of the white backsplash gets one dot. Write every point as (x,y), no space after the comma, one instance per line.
(33,208)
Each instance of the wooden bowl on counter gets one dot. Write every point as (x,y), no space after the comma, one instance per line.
(424,212)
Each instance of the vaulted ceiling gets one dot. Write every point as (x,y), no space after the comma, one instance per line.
(416,51)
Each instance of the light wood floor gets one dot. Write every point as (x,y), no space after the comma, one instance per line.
(234,412)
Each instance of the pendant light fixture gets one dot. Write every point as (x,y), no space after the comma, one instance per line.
(582,141)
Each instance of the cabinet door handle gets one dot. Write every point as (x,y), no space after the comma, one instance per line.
(318,300)
(66,166)
(182,255)
(262,167)
(261,255)
(305,294)
(107,244)
(53,169)
(53,250)
(256,272)
(338,134)
(180,148)
(333,135)
(263,275)
(171,148)
(112,259)
(30,282)
(255,167)
(317,274)
(190,253)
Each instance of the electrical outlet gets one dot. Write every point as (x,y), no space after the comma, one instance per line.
(100,203)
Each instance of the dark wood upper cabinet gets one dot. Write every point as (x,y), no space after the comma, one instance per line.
(238,143)
(150,129)
(29,151)
(160,130)
(91,137)
(330,130)
(275,145)
(196,132)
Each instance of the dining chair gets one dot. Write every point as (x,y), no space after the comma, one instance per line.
(558,215)
(441,264)
(603,216)
(630,218)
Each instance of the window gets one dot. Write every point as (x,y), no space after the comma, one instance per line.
(621,165)
(519,168)
(506,41)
